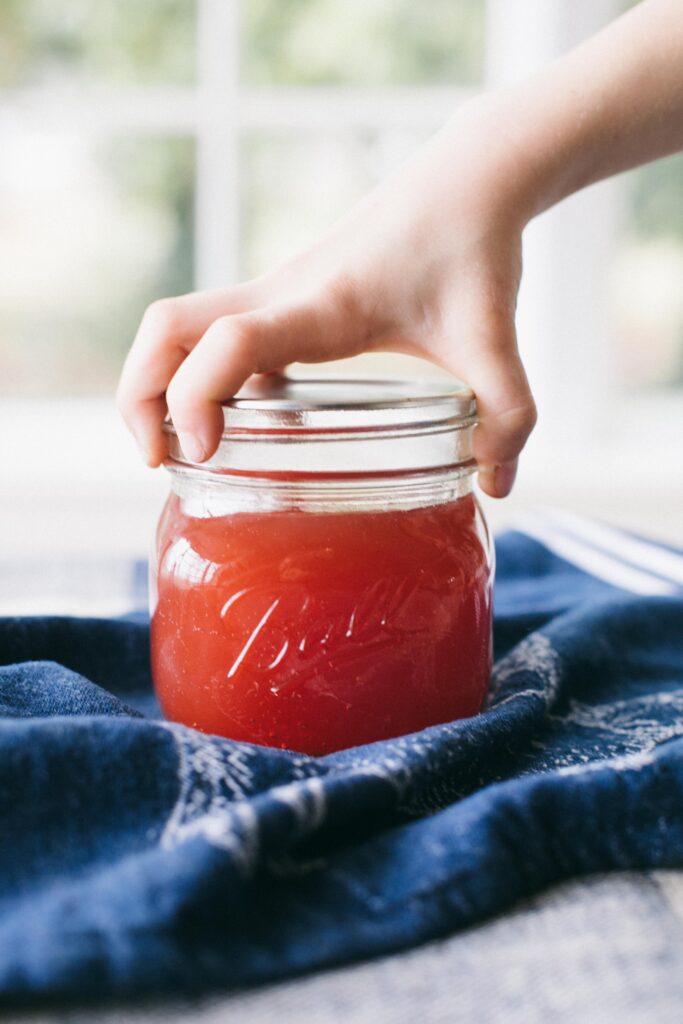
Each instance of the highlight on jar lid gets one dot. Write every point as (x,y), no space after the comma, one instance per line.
(332,425)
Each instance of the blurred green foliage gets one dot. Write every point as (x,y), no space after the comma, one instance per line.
(292,185)
(362,42)
(120,42)
(155,175)
(132,242)
(656,200)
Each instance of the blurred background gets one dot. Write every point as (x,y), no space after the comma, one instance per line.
(149,149)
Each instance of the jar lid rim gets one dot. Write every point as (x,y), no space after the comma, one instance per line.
(349,393)
(273,402)
(401,423)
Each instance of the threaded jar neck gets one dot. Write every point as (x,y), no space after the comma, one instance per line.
(327,431)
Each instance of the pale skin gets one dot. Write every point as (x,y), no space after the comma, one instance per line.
(429,263)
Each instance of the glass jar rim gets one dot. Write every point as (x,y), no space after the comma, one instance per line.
(332,425)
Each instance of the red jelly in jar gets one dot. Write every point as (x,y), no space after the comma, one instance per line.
(324,580)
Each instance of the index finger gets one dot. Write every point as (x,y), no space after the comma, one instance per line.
(168,332)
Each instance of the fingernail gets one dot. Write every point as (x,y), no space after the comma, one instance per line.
(193,449)
(504,477)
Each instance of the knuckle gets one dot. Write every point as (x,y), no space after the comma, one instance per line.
(340,290)
(518,422)
(242,334)
(240,339)
(505,432)
(531,415)
(344,317)
(177,398)
(184,393)
(523,415)
(163,316)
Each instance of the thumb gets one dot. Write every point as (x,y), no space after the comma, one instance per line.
(505,406)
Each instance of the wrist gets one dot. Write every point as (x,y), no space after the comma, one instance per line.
(491,145)
(532,148)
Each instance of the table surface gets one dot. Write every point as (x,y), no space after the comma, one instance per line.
(606,949)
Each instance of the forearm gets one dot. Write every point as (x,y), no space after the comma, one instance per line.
(611,104)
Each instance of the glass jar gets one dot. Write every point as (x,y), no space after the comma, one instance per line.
(324,580)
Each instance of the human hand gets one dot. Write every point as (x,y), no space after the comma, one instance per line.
(428,264)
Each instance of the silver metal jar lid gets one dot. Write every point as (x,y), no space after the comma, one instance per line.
(282,425)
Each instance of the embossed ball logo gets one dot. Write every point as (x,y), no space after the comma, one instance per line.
(288,633)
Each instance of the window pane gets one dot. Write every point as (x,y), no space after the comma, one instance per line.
(362,41)
(89,235)
(111,41)
(648,278)
(296,186)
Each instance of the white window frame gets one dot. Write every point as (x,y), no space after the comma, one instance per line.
(562,317)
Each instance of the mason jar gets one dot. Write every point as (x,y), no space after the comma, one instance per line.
(324,579)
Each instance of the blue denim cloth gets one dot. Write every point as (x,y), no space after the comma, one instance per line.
(140,856)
